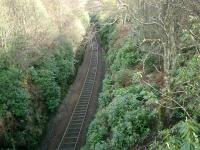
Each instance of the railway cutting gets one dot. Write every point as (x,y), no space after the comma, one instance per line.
(73,130)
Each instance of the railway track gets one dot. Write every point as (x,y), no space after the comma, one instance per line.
(72,133)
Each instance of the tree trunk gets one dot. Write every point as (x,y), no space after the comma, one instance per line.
(170,52)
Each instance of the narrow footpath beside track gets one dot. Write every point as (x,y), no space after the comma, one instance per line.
(72,133)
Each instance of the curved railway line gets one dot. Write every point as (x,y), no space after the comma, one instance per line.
(72,133)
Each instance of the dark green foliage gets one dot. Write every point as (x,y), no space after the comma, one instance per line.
(20,127)
(188,80)
(183,136)
(54,74)
(94,18)
(14,98)
(123,118)
(146,75)
(45,79)
(123,77)
(125,57)
(98,130)
(152,63)
(124,122)
(28,98)
(79,56)
(106,94)
(134,127)
(106,35)
(65,63)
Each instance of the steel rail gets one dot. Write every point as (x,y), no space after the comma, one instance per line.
(73,130)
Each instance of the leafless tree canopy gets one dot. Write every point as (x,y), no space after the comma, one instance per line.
(32,25)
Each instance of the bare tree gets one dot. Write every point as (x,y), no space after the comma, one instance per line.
(159,26)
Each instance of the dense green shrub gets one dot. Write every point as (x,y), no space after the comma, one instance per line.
(28,97)
(106,34)
(125,57)
(134,94)
(105,96)
(98,130)
(36,67)
(123,119)
(152,63)
(79,56)
(183,136)
(54,74)
(14,98)
(123,77)
(65,64)
(134,127)
(187,80)
(15,103)
(45,77)
(123,122)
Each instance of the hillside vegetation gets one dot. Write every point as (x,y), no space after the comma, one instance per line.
(39,40)
(151,91)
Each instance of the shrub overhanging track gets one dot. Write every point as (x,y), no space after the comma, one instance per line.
(72,133)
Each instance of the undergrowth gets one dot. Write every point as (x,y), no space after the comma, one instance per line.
(28,98)
(130,109)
